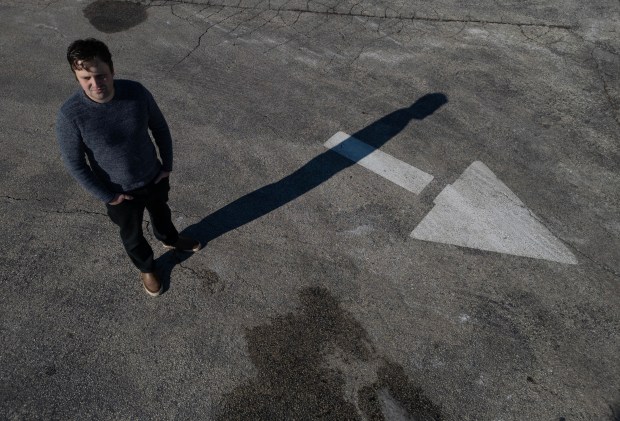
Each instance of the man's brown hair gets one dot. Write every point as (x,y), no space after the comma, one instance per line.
(83,50)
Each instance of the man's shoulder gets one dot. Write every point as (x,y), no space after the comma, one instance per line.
(74,99)
(72,103)
(128,85)
(130,90)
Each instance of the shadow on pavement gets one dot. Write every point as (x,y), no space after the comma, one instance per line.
(320,169)
(266,199)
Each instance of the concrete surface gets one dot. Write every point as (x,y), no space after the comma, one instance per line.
(310,299)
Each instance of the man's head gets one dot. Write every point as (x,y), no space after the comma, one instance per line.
(91,62)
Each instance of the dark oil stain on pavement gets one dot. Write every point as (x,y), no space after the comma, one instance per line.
(111,16)
(295,380)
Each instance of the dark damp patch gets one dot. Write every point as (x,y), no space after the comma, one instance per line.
(393,381)
(50,370)
(295,356)
(111,16)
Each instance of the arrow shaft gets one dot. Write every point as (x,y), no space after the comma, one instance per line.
(379,162)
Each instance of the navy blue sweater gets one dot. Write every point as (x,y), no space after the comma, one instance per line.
(107,147)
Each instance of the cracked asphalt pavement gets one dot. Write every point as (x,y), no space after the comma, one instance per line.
(310,299)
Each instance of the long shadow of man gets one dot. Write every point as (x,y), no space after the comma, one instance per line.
(318,170)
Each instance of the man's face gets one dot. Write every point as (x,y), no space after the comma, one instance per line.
(96,79)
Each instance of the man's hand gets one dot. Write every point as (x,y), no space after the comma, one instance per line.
(161,176)
(119,198)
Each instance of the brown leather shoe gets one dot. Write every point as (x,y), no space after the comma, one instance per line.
(151,283)
(184,244)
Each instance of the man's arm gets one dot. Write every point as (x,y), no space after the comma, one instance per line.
(74,157)
(161,133)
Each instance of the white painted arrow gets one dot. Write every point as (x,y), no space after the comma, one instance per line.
(398,172)
(477,211)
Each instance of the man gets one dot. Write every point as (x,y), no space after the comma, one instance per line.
(103,132)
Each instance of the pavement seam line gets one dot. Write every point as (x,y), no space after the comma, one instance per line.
(369,15)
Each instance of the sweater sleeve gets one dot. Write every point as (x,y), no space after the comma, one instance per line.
(72,151)
(161,132)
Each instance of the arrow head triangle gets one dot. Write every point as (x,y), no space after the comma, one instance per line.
(478,211)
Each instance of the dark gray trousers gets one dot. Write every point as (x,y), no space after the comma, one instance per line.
(128,215)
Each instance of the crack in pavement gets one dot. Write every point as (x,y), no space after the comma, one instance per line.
(332,12)
(202,35)
(601,265)
(599,71)
(75,211)
(63,211)
(196,14)
(277,13)
(209,278)
(536,38)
